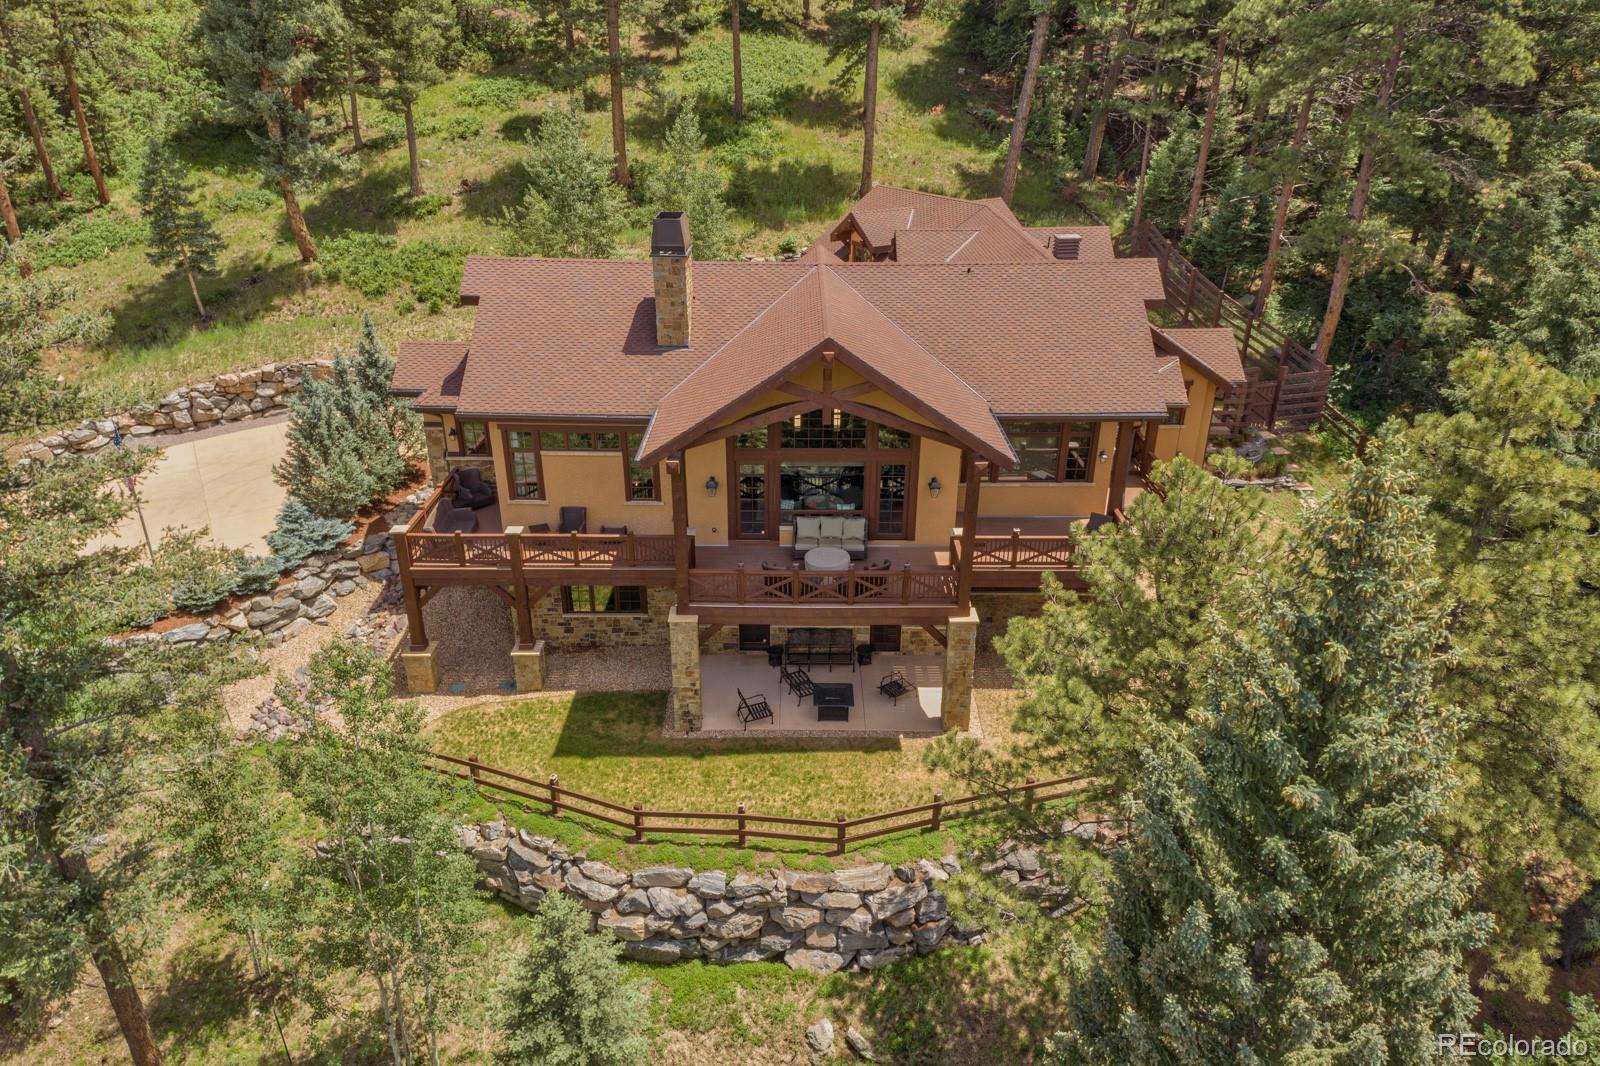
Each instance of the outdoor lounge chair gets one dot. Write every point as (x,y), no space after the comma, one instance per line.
(1097,520)
(448,519)
(471,490)
(752,709)
(542,527)
(614,531)
(894,685)
(774,566)
(796,680)
(881,564)
(573,519)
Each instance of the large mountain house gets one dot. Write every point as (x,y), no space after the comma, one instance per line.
(861,450)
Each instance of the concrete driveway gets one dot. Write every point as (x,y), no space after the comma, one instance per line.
(217,479)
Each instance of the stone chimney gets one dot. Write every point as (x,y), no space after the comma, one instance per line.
(670,258)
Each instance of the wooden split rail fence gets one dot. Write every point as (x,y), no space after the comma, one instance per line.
(741,825)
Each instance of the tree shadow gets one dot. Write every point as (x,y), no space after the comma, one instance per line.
(218,149)
(360,207)
(931,83)
(207,993)
(830,107)
(163,311)
(786,193)
(521,127)
(489,198)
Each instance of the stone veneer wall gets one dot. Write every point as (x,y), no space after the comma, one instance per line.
(858,918)
(234,397)
(568,632)
(994,608)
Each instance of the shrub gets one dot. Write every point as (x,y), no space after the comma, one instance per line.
(788,244)
(300,533)
(243,201)
(374,265)
(774,67)
(568,1001)
(86,238)
(1230,464)
(570,207)
(402,206)
(501,92)
(462,127)
(198,592)
(256,573)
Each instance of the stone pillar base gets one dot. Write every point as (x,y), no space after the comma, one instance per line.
(683,637)
(433,436)
(527,666)
(422,669)
(960,660)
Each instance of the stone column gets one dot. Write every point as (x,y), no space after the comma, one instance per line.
(433,436)
(960,660)
(683,637)
(527,666)
(421,667)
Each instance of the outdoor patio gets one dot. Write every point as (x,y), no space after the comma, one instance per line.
(723,677)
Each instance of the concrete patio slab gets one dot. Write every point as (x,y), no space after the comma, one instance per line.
(219,480)
(722,677)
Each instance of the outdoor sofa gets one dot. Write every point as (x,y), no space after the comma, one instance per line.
(830,531)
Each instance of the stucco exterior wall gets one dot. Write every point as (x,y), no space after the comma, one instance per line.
(1056,498)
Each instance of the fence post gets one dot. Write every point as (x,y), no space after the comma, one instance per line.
(741,825)
(638,823)
(1016,548)
(1027,800)
(555,804)
(472,768)
(938,809)
(838,848)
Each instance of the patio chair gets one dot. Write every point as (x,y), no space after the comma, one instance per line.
(471,490)
(448,519)
(881,564)
(774,566)
(542,527)
(797,681)
(614,531)
(894,685)
(752,709)
(1097,520)
(574,520)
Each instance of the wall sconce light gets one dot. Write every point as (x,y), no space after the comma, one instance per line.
(1104,455)
(711,485)
(934,487)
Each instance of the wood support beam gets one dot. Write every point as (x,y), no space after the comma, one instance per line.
(519,587)
(938,637)
(680,528)
(977,470)
(1119,466)
(707,632)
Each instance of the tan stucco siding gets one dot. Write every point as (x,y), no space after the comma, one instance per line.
(1056,498)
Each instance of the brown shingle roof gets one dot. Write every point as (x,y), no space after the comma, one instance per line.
(1094,247)
(1213,349)
(820,308)
(430,371)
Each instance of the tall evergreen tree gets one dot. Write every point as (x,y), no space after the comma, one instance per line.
(571,206)
(1019,126)
(181,237)
(409,41)
(20,31)
(861,28)
(569,1001)
(1514,519)
(1283,896)
(685,179)
(614,67)
(36,315)
(262,51)
(75,25)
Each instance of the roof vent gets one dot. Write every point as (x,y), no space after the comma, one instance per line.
(1065,245)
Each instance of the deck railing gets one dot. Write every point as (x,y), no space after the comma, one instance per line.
(813,587)
(652,551)
(740,825)
(1018,551)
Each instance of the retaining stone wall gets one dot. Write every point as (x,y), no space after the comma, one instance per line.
(859,918)
(233,397)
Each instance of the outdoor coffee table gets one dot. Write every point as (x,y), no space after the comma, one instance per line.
(833,701)
(827,558)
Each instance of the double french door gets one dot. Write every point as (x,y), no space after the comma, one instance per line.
(771,492)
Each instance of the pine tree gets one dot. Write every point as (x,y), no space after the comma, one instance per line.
(571,206)
(262,51)
(861,28)
(20,70)
(685,179)
(1283,896)
(36,315)
(322,464)
(300,533)
(1513,519)
(1030,78)
(569,1001)
(181,237)
(409,41)
(75,25)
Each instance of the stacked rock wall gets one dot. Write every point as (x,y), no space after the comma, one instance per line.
(233,397)
(858,918)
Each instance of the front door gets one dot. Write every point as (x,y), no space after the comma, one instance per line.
(754,638)
(753,520)
(885,638)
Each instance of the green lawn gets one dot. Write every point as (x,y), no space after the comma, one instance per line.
(790,174)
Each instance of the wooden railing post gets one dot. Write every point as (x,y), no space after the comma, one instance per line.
(839,840)
(1016,546)
(938,810)
(1028,794)
(461,549)
(555,803)
(472,768)
(630,551)
(905,584)
(738,584)
(741,825)
(638,823)
(576,559)
(1188,297)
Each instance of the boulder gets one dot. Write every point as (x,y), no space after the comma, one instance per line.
(742,926)
(819,1041)
(373,561)
(186,634)
(893,900)
(794,919)
(661,877)
(834,901)
(712,884)
(823,962)
(520,856)
(807,881)
(857,921)
(860,1045)
(625,927)
(635,902)
(322,606)
(656,949)
(744,886)
(824,937)
(492,851)
(872,960)
(931,935)
(674,902)
(751,951)
(606,875)
(862,941)
(308,587)
(591,891)
(719,909)
(933,908)
(873,878)
(1024,860)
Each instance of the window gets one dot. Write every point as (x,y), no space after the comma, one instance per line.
(893,438)
(752,499)
(643,482)
(1176,415)
(472,437)
(892,499)
(823,429)
(824,487)
(580,440)
(1038,448)
(1049,451)
(522,455)
(603,599)
(752,438)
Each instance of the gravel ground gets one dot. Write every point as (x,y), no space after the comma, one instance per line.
(611,669)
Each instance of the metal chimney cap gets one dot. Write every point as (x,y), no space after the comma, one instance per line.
(669,234)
